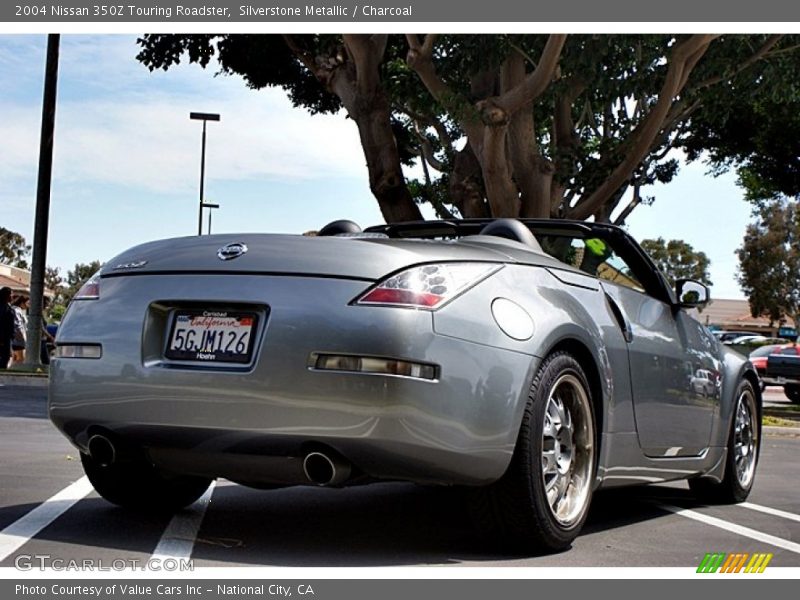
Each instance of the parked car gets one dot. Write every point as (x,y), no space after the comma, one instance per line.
(703,382)
(754,340)
(758,357)
(783,368)
(727,336)
(534,361)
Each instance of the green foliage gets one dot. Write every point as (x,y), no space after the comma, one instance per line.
(13,249)
(769,262)
(54,283)
(261,60)
(739,106)
(678,260)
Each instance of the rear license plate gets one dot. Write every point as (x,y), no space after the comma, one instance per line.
(212,336)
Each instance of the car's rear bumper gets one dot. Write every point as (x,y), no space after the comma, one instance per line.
(248,423)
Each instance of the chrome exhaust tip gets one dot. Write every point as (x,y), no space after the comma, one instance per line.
(102,450)
(321,469)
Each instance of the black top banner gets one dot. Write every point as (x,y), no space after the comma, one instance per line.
(440,11)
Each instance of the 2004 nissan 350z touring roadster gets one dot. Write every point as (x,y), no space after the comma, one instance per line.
(537,360)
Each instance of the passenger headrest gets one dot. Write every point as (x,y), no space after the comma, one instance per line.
(341,226)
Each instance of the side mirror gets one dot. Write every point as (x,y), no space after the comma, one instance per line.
(691,293)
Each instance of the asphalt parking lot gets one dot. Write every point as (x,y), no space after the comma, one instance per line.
(48,508)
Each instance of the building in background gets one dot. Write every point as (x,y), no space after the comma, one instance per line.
(19,280)
(734,315)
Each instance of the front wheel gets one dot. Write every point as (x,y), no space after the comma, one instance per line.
(542,500)
(743,447)
(136,484)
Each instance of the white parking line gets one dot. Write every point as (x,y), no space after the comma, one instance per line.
(771,511)
(178,538)
(733,528)
(23,529)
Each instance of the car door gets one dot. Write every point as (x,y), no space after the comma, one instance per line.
(667,350)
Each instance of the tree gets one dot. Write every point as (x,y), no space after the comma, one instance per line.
(510,125)
(55,284)
(13,249)
(769,262)
(678,260)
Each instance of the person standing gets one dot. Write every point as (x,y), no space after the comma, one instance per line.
(7,326)
(18,342)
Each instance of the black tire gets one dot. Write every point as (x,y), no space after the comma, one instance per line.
(737,480)
(792,391)
(516,507)
(138,485)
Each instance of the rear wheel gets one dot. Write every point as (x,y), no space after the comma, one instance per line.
(137,484)
(792,391)
(542,500)
(743,446)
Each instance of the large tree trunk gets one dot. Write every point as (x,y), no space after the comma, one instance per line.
(466,186)
(369,107)
(354,76)
(373,118)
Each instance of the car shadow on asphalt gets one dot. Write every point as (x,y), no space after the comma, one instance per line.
(386,524)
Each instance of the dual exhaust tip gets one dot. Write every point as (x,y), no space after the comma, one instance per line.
(323,469)
(319,468)
(102,450)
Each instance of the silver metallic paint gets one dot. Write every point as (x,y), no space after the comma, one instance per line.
(252,422)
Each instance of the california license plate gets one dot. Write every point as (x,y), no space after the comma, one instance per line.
(212,336)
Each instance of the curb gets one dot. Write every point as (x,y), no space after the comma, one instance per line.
(773,431)
(23,381)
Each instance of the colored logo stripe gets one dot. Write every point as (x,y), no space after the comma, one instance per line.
(711,562)
(758,563)
(734,563)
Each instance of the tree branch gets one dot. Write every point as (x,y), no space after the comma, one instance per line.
(420,59)
(538,81)
(367,56)
(445,139)
(761,53)
(684,57)
(302,55)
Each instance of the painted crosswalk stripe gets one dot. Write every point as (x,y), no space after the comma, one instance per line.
(26,527)
(770,511)
(733,528)
(178,538)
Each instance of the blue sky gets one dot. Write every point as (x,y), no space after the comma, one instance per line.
(126,163)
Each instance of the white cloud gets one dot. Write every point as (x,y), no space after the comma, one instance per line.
(107,132)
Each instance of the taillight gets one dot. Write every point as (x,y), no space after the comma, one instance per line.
(428,286)
(89,290)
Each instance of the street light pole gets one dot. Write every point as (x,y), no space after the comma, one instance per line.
(204,117)
(42,215)
(210,208)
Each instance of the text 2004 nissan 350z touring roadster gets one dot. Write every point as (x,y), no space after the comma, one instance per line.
(538,360)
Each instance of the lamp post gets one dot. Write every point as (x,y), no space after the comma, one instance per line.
(204,117)
(210,208)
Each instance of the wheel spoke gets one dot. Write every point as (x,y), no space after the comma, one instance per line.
(549,462)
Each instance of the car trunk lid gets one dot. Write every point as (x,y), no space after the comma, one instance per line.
(367,258)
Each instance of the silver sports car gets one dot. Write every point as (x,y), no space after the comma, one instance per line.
(537,360)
